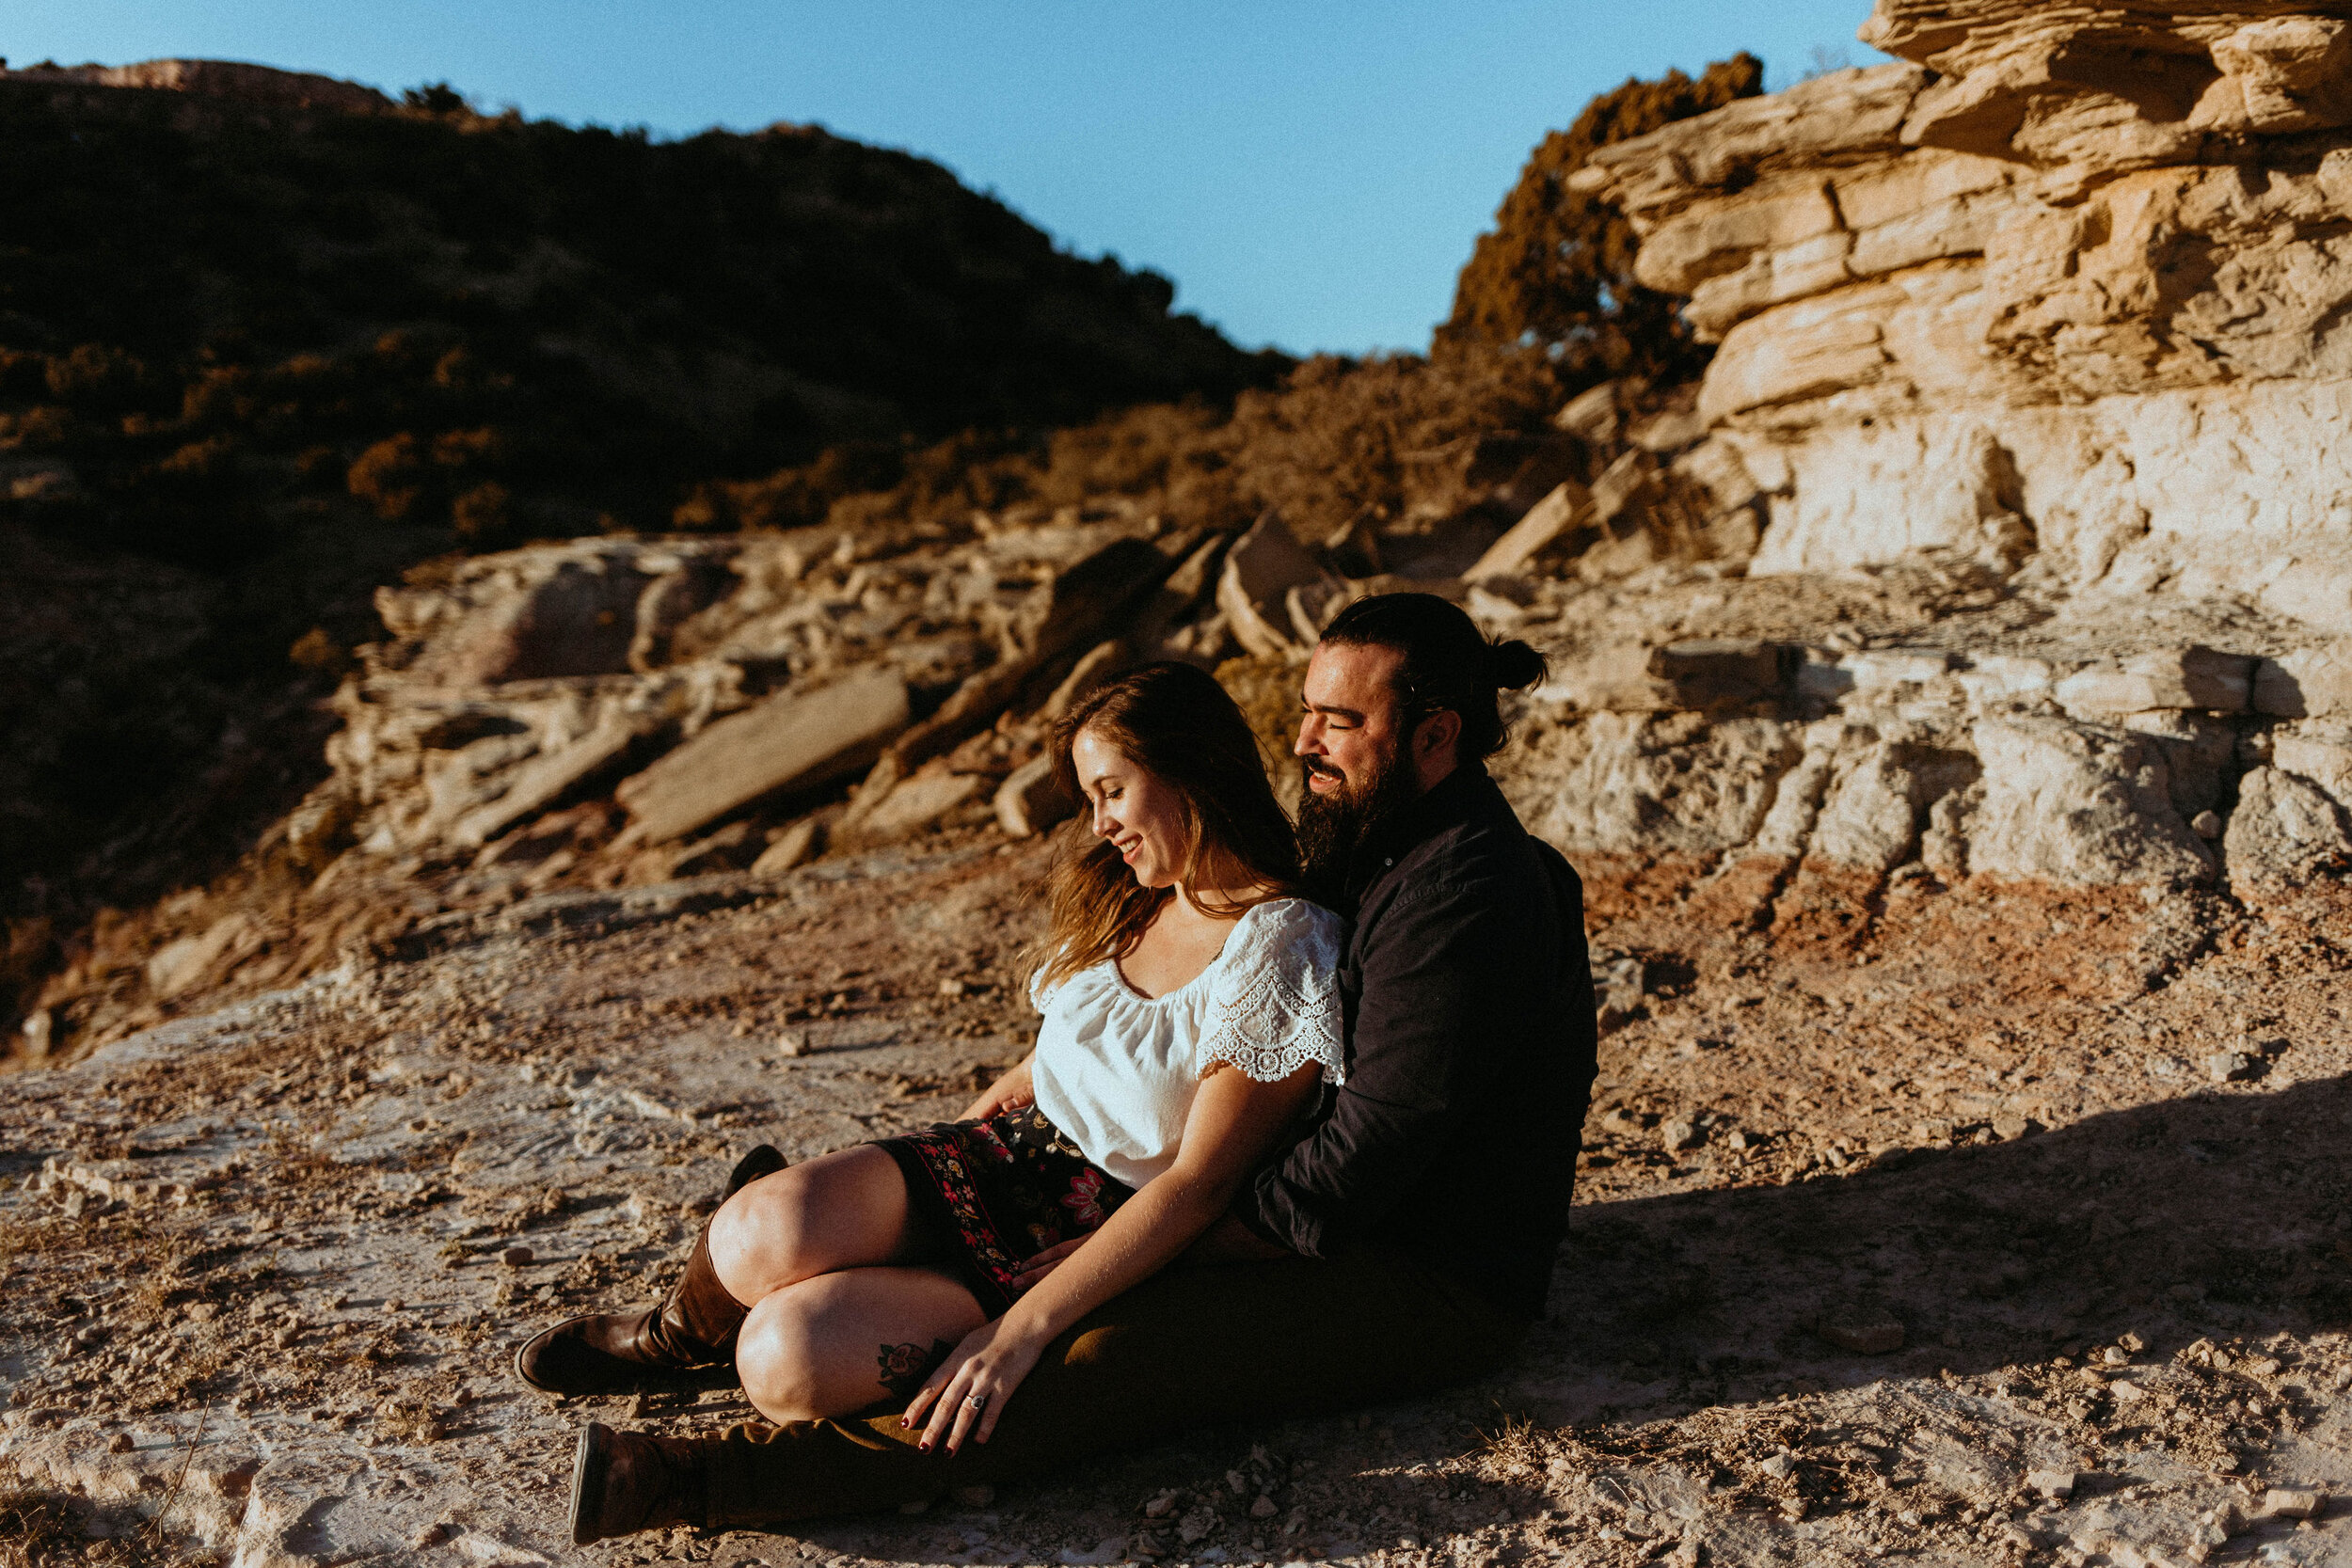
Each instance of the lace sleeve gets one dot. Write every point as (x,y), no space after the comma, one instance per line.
(1277,1006)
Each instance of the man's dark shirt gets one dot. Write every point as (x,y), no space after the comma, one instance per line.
(1470,1054)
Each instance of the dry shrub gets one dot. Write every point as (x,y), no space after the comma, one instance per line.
(1557,271)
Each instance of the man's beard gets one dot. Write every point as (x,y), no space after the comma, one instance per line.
(1333,827)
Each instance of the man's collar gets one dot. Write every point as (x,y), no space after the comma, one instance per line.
(1443,804)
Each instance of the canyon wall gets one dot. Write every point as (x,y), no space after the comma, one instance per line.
(2062,287)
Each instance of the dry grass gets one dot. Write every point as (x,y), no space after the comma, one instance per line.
(51,1529)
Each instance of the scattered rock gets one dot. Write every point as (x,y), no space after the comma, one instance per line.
(2231,1066)
(515,1257)
(795,845)
(1197,1526)
(2051,1483)
(1865,1330)
(2294,1502)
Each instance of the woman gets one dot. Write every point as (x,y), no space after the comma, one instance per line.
(1190,1012)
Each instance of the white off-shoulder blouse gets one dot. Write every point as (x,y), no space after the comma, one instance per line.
(1117,1070)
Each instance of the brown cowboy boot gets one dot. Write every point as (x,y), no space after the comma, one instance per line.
(626,1482)
(620,1352)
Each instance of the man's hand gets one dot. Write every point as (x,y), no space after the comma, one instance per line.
(1043,1263)
(1228,1240)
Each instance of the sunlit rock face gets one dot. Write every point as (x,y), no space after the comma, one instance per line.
(2061,288)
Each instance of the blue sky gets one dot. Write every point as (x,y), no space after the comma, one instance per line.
(1310,173)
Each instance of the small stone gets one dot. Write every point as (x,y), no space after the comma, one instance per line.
(283,1337)
(2132,1344)
(1237,1483)
(120,1443)
(1197,1526)
(2229,1066)
(1863,1332)
(2205,824)
(431,1535)
(1265,1508)
(1780,1467)
(1160,1505)
(791,1045)
(2294,1502)
(951,986)
(2010,1125)
(515,1256)
(1680,1132)
(977,1496)
(2051,1483)
(2115,1355)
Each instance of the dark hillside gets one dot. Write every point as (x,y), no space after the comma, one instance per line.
(263,348)
(228,318)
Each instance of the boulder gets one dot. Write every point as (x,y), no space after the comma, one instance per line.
(1558,516)
(794,845)
(793,741)
(1100,589)
(546,778)
(2285,829)
(1648,785)
(2073,803)
(579,620)
(1699,675)
(1870,821)
(2198,678)
(1265,573)
(1032,799)
(2321,757)
(2310,683)
(914,803)
(2199,754)
(1099,665)
(177,966)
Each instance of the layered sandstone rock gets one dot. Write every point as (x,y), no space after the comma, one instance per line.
(2062,287)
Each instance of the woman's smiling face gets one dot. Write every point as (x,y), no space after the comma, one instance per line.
(1142,817)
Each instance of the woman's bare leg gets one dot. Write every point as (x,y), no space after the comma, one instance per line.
(841,1211)
(841,1341)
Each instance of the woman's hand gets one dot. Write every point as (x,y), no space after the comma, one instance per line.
(1012,1092)
(969,1389)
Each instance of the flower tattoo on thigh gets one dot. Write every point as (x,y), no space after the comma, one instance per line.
(905,1366)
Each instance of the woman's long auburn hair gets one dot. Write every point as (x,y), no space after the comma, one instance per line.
(1174,722)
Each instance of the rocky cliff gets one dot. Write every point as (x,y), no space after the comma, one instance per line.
(2065,284)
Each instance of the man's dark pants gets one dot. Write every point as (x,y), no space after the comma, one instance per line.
(1192,1345)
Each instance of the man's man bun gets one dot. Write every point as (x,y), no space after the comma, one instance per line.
(1448,663)
(1515,665)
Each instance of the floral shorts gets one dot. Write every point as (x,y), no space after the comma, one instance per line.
(999,1192)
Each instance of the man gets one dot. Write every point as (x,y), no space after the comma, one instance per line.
(1402,1243)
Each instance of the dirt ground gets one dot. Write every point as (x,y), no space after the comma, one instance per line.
(1977,1224)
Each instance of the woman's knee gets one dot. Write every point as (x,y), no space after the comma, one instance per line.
(763,1230)
(793,1352)
(778,1355)
(839,1211)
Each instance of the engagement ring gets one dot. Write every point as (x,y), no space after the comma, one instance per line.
(978,1401)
